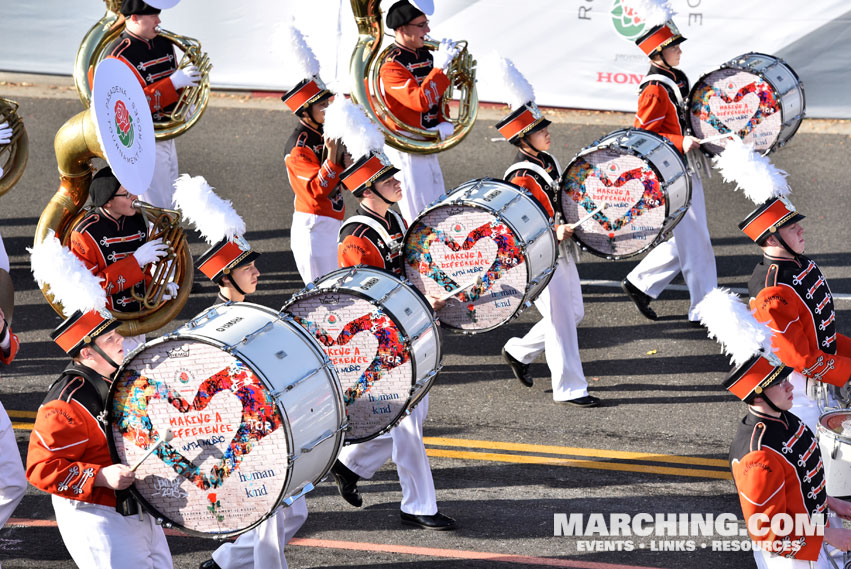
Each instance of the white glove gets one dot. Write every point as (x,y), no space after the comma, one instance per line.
(171,291)
(187,77)
(445,130)
(5,133)
(150,252)
(445,53)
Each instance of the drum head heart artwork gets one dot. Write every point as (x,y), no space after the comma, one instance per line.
(226,467)
(631,188)
(370,353)
(470,251)
(738,102)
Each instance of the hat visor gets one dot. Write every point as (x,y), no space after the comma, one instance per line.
(541,125)
(252,255)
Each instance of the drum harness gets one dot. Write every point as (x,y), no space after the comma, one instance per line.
(394,245)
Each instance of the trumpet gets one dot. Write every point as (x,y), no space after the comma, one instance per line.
(165,225)
(13,156)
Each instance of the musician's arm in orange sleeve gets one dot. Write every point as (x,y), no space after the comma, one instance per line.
(122,274)
(656,112)
(160,94)
(309,179)
(400,84)
(358,251)
(532,185)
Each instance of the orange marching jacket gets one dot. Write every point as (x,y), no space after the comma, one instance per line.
(315,183)
(657,108)
(412,87)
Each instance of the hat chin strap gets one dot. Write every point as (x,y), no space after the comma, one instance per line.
(108,359)
(785,246)
(375,191)
(768,400)
(236,286)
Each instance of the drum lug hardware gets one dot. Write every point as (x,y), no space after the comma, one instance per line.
(295,384)
(835,448)
(249,337)
(390,293)
(507,204)
(280,354)
(207,315)
(324,437)
(307,488)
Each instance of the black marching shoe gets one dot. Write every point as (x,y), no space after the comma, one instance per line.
(209,564)
(347,484)
(585,401)
(521,370)
(639,298)
(437,522)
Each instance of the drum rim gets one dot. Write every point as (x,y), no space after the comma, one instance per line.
(157,514)
(780,141)
(822,428)
(435,325)
(529,278)
(593,148)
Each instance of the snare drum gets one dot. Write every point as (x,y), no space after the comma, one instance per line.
(255,409)
(488,241)
(383,338)
(834,436)
(644,180)
(756,96)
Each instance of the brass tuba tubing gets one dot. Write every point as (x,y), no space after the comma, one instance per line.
(165,225)
(13,156)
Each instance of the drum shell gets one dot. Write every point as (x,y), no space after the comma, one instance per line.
(836,455)
(669,166)
(519,211)
(410,312)
(294,370)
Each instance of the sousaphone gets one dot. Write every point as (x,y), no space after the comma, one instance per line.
(13,156)
(118,128)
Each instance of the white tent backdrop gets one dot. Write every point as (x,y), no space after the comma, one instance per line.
(568,49)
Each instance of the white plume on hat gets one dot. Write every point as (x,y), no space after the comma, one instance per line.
(69,281)
(502,77)
(213,217)
(299,60)
(348,122)
(653,12)
(752,172)
(732,323)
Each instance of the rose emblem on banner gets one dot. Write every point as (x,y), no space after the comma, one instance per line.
(626,20)
(124,124)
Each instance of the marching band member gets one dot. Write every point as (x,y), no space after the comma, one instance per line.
(373,236)
(152,58)
(787,289)
(560,304)
(111,240)
(661,110)
(775,458)
(319,207)
(68,455)
(5,138)
(229,263)
(412,83)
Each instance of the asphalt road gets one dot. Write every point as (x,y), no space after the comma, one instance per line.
(505,458)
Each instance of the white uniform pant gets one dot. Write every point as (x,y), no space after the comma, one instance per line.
(98,537)
(404,445)
(421,178)
(313,240)
(263,547)
(13,481)
(689,251)
(803,407)
(4,257)
(165,173)
(560,305)
(767,561)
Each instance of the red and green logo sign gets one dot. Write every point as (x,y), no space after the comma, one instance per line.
(626,20)
(124,124)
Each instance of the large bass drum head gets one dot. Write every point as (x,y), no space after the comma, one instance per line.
(226,468)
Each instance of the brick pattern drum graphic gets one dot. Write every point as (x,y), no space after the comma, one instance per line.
(370,352)
(755,96)
(226,467)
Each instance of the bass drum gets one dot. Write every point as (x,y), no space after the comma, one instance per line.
(255,410)
(383,338)
(755,96)
(488,242)
(834,436)
(643,180)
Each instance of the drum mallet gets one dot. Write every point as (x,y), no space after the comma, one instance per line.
(167,438)
(718,137)
(460,289)
(589,216)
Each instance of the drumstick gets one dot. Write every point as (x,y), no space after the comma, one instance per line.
(167,438)
(460,289)
(716,137)
(589,216)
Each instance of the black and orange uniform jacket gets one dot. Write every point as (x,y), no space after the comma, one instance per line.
(315,183)
(106,245)
(153,62)
(360,244)
(657,106)
(531,180)
(412,87)
(68,444)
(14,344)
(777,468)
(793,297)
